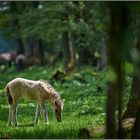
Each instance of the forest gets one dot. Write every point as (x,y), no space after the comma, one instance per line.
(88,52)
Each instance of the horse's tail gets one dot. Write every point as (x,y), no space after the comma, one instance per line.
(9,97)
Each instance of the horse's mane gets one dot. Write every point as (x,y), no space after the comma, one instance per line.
(52,90)
(45,81)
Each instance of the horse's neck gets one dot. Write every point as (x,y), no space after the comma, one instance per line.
(54,96)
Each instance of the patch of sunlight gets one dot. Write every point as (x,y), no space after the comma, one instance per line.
(111,75)
(30,68)
(129,68)
(4,106)
(22,105)
(44,72)
(31,104)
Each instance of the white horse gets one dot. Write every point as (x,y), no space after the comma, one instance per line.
(39,91)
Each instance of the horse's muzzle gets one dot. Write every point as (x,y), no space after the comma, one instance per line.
(59,120)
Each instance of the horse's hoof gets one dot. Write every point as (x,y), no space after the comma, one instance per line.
(9,124)
(47,123)
(35,124)
(16,124)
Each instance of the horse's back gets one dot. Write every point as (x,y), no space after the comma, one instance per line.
(19,86)
(28,89)
(14,87)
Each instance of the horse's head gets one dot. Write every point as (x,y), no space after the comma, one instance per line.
(58,106)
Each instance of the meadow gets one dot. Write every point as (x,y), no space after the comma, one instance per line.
(84,91)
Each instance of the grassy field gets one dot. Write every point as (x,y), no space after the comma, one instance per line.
(84,93)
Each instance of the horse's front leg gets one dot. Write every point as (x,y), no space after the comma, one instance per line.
(44,112)
(37,114)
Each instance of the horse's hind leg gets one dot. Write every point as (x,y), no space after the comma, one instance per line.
(10,116)
(44,112)
(15,113)
(37,113)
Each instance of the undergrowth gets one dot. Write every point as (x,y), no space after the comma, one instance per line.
(84,92)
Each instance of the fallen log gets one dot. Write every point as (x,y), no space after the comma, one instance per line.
(92,132)
(99,132)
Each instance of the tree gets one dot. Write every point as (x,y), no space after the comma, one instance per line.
(133,103)
(14,10)
(102,62)
(67,41)
(133,106)
(115,51)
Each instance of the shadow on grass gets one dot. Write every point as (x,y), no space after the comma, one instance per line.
(21,125)
(27,125)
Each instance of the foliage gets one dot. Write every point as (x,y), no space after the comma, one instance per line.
(82,100)
(45,20)
(84,92)
(84,89)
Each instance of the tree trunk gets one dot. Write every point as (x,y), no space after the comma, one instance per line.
(68,43)
(136,128)
(115,52)
(102,62)
(19,45)
(133,106)
(15,24)
(18,39)
(72,61)
(30,47)
(41,51)
(35,50)
(66,52)
(134,100)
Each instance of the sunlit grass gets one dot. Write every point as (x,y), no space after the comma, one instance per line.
(84,94)
(68,128)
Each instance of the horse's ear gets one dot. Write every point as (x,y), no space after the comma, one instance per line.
(62,105)
(63,100)
(55,102)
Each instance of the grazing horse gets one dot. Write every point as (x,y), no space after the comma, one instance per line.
(21,62)
(39,91)
(6,59)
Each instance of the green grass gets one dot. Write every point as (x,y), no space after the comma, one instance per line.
(84,93)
